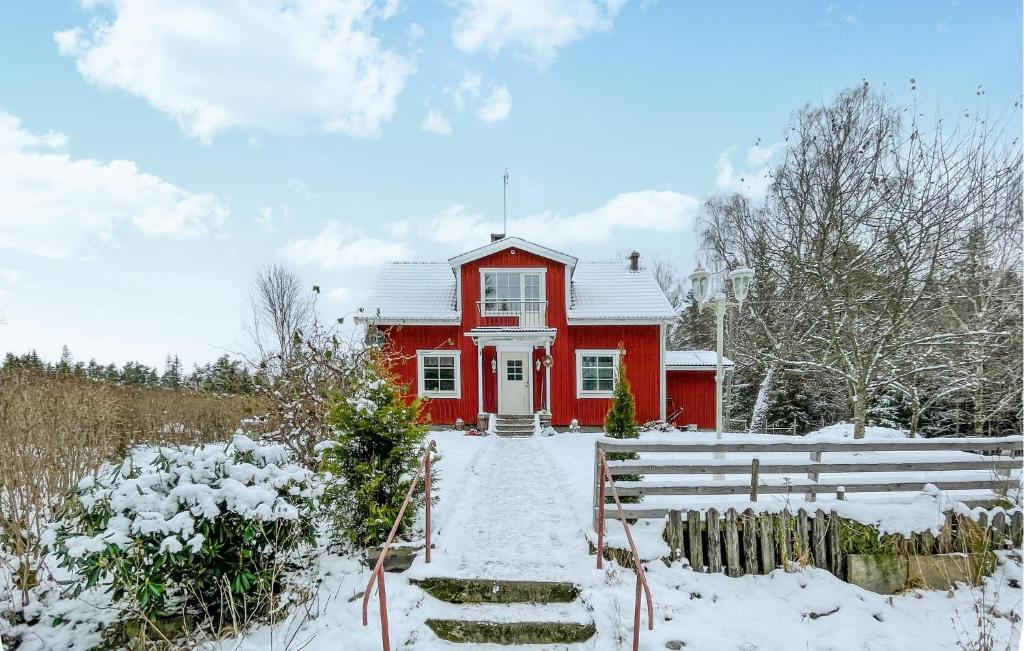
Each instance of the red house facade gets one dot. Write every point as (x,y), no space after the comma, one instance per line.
(515,328)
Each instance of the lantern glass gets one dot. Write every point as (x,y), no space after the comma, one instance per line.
(699,283)
(741,279)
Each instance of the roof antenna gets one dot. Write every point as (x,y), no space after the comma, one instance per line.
(504,210)
(504,203)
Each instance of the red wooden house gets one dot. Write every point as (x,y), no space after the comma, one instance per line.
(513,328)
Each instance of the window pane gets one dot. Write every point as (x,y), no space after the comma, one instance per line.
(446,362)
(605,385)
(589,373)
(590,385)
(447,385)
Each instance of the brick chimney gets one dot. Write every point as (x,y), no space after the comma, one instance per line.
(634,261)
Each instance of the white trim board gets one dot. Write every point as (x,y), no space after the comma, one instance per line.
(435,395)
(604,352)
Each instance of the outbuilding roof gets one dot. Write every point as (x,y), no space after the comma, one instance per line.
(682,360)
(414,291)
(610,290)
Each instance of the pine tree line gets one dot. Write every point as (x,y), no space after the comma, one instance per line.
(224,375)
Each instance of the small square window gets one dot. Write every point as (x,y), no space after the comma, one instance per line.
(439,374)
(514,369)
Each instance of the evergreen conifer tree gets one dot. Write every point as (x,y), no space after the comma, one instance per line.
(620,423)
(379,446)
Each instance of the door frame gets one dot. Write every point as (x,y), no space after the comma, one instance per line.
(527,369)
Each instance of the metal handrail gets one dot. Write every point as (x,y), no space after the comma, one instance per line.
(641,577)
(378,569)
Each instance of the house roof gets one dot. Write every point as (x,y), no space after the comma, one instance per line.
(413,291)
(682,360)
(507,243)
(609,290)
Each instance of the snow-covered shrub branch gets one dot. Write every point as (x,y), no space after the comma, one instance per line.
(195,523)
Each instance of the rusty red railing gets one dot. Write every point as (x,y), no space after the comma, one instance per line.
(378,569)
(641,578)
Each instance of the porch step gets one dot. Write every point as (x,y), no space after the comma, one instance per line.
(513,425)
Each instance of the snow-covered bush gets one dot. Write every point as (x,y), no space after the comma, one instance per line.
(202,527)
(379,446)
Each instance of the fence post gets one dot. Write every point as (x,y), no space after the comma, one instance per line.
(426,490)
(813,476)
(755,468)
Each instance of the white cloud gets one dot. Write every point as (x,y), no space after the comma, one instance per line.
(646,210)
(494,106)
(497,106)
(57,206)
(435,122)
(537,29)
(10,276)
(301,189)
(340,293)
(414,33)
(754,179)
(295,66)
(340,246)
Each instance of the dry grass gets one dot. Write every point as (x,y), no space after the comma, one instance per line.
(54,430)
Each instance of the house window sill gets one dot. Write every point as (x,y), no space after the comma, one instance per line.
(441,396)
(594,394)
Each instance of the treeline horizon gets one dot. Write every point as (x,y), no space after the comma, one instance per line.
(223,375)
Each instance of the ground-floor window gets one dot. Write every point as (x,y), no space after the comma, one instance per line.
(438,372)
(595,373)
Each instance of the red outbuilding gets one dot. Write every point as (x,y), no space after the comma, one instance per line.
(514,328)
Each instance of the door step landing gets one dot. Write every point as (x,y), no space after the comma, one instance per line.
(513,425)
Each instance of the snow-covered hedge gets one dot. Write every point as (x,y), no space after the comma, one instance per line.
(203,522)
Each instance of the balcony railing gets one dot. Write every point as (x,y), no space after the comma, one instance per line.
(513,312)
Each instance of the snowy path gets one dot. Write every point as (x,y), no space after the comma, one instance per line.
(512,518)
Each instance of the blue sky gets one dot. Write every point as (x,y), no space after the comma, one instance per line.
(153,155)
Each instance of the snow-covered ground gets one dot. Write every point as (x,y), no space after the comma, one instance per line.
(521,508)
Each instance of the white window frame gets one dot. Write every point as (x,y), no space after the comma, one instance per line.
(614,353)
(421,391)
(539,271)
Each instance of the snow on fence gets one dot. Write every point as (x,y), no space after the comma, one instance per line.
(999,479)
(746,542)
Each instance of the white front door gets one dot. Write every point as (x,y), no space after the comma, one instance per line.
(513,383)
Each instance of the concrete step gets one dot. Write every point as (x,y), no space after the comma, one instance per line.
(476,591)
(490,632)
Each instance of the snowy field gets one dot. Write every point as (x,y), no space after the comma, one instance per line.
(520,509)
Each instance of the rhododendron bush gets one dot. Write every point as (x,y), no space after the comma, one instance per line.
(195,528)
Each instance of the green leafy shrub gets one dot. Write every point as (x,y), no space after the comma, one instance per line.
(202,527)
(377,447)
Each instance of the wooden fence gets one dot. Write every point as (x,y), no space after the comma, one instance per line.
(756,543)
(808,474)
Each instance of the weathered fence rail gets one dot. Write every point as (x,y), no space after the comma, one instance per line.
(747,542)
(808,474)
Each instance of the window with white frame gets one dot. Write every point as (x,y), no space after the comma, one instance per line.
(596,372)
(512,292)
(438,372)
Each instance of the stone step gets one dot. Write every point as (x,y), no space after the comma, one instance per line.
(476,591)
(488,632)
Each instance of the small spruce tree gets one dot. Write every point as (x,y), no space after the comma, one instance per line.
(379,444)
(620,423)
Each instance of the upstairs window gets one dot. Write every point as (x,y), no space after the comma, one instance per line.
(438,372)
(512,292)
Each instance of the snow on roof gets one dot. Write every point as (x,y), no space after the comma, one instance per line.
(609,290)
(411,291)
(509,242)
(688,359)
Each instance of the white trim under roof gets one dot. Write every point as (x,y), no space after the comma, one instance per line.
(396,321)
(509,243)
